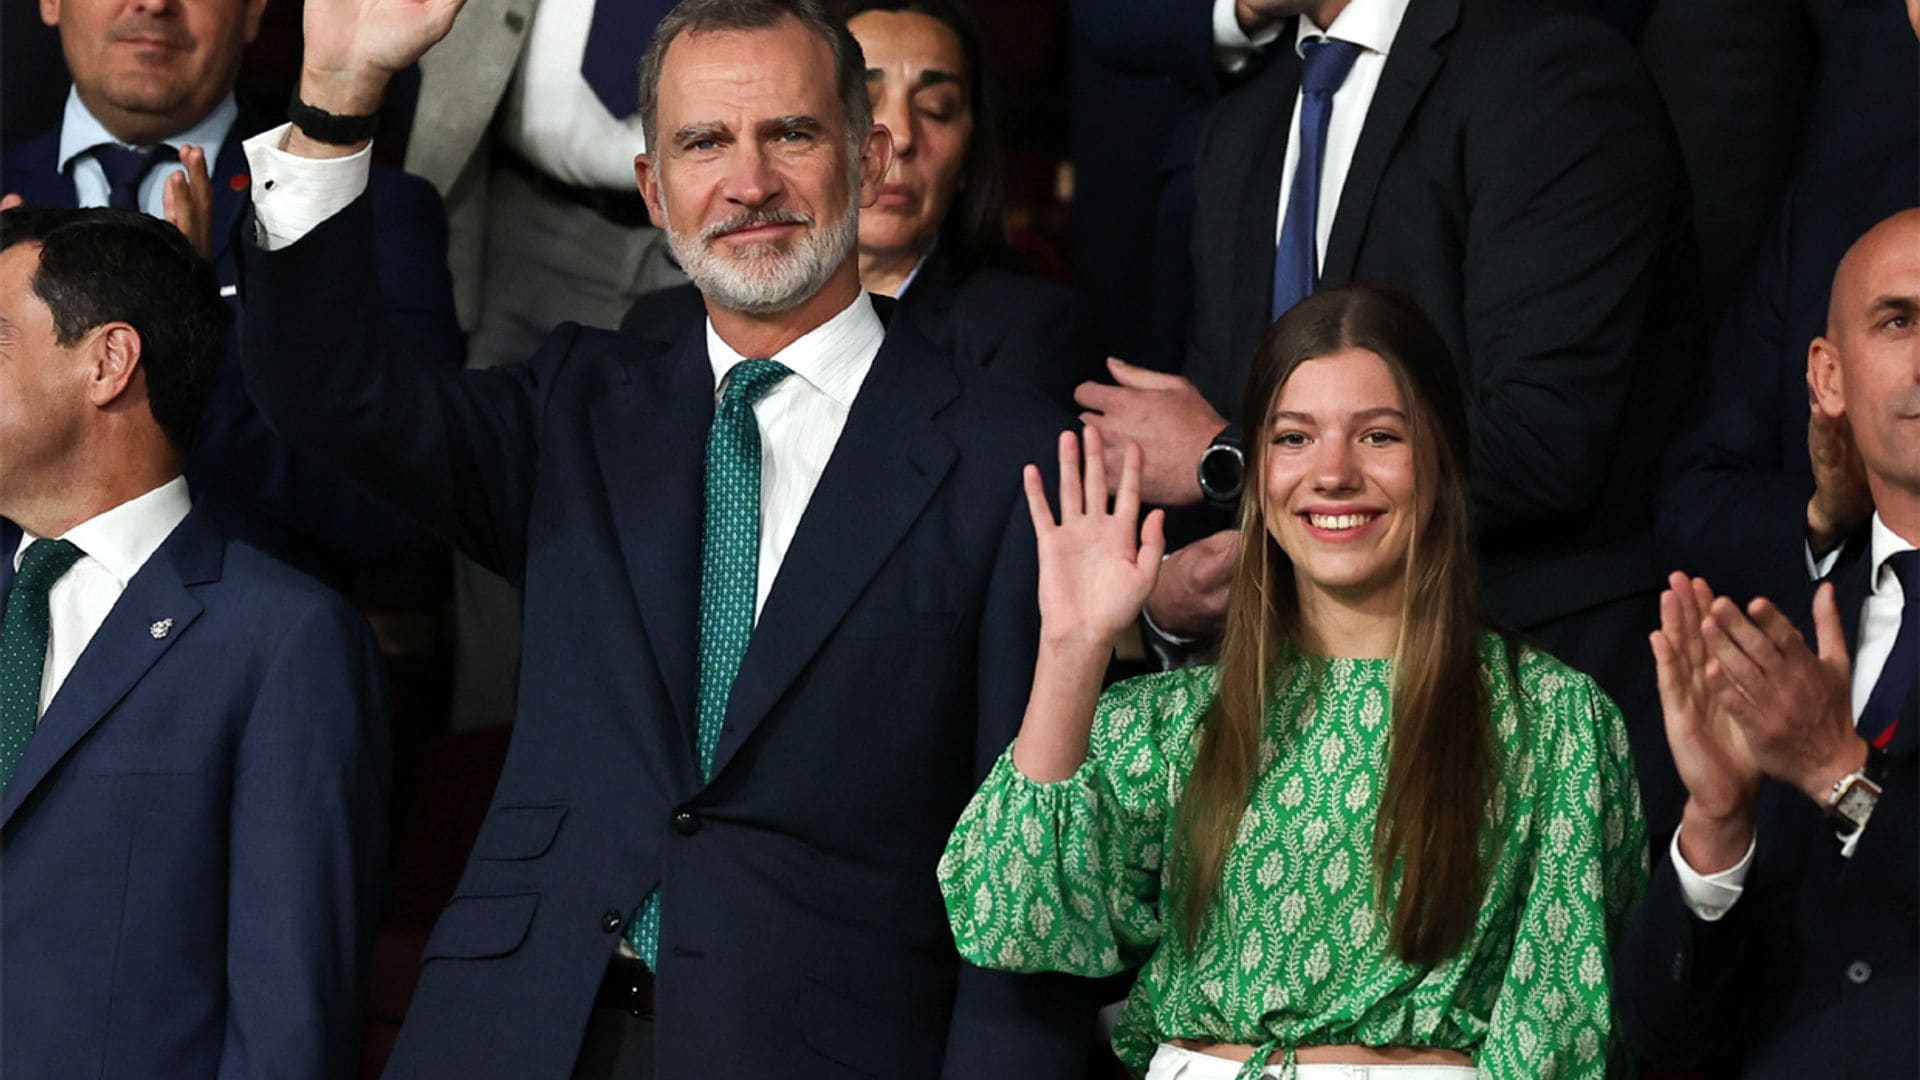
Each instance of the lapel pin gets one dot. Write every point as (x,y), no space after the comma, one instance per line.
(160,629)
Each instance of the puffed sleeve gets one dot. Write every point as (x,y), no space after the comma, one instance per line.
(1065,876)
(1553,1015)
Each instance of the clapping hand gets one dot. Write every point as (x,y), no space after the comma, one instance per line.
(1709,751)
(1095,568)
(188,200)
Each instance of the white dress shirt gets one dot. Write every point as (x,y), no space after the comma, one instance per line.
(1372,25)
(80,132)
(1710,895)
(551,116)
(801,419)
(116,544)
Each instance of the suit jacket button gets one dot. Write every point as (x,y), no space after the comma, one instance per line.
(610,922)
(685,823)
(1859,972)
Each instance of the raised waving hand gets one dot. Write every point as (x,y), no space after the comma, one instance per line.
(354,47)
(1098,561)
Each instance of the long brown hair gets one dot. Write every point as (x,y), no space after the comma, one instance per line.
(1441,753)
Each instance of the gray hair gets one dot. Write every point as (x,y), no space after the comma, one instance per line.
(703,16)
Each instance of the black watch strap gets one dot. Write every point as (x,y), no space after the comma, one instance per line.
(331,128)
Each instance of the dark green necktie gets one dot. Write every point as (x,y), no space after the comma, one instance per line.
(729,578)
(23,645)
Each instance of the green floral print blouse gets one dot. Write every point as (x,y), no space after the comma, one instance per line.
(1072,876)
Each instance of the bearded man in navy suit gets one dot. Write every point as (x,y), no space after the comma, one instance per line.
(152,106)
(780,595)
(193,758)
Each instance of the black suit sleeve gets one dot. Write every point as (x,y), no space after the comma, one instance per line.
(456,450)
(1572,186)
(1003,1024)
(1154,38)
(1732,508)
(1678,978)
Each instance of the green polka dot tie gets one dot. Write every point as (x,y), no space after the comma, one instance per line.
(23,645)
(729,578)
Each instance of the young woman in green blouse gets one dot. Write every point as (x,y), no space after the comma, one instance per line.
(1377,833)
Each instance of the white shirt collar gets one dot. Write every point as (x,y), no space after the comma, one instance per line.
(80,131)
(1370,24)
(1884,543)
(124,538)
(833,357)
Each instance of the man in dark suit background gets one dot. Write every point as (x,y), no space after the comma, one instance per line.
(150,81)
(1782,925)
(1512,168)
(747,861)
(193,755)
(1758,481)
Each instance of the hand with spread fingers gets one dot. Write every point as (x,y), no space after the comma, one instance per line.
(1792,707)
(1161,414)
(1097,565)
(188,200)
(1709,751)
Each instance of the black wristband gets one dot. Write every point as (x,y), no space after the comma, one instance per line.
(331,128)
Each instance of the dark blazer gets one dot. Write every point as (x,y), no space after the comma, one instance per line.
(1021,327)
(1734,504)
(192,845)
(802,934)
(262,491)
(1813,971)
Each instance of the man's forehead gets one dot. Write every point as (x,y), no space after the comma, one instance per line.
(785,60)
(1884,262)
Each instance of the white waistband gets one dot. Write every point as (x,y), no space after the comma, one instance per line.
(1176,1063)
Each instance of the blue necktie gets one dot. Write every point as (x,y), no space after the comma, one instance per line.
(1896,682)
(618,35)
(126,168)
(1296,264)
(729,579)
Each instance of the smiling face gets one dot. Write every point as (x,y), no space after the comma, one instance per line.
(756,179)
(918,81)
(150,69)
(1341,497)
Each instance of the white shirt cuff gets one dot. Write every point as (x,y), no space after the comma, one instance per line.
(1232,47)
(292,194)
(1820,567)
(1711,896)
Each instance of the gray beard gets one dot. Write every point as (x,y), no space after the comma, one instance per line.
(768,282)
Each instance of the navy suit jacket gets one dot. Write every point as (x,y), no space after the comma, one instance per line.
(192,844)
(802,932)
(263,491)
(1020,327)
(1816,970)
(1734,504)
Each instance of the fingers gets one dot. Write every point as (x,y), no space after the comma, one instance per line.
(1126,501)
(1037,500)
(1775,626)
(11,200)
(1140,378)
(1828,632)
(1153,540)
(1072,496)
(1675,706)
(1095,499)
(1739,676)
(1097,397)
(1760,649)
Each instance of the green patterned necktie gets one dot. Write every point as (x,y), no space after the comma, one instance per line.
(729,578)
(23,645)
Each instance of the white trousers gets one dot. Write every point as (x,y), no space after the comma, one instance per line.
(1175,1063)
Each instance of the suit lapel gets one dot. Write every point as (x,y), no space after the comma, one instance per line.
(888,463)
(1411,65)
(33,173)
(124,648)
(230,187)
(651,436)
(1255,237)
(9,539)
(1849,576)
